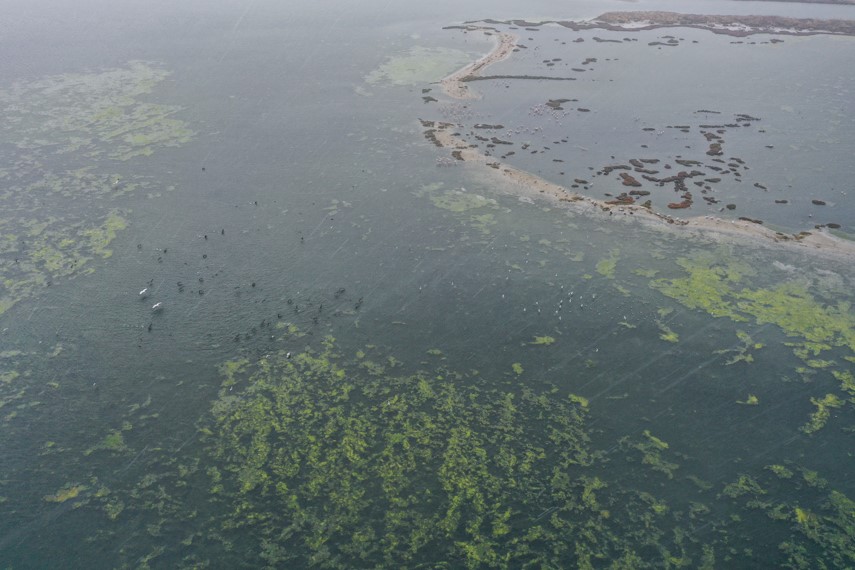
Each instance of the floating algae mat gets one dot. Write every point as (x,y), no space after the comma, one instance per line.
(95,114)
(418,65)
(58,188)
(311,459)
(814,325)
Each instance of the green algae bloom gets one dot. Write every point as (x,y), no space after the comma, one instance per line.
(653,451)
(741,353)
(517,368)
(820,536)
(460,201)
(543,340)
(780,471)
(323,462)
(58,221)
(101,237)
(606,267)
(666,333)
(721,286)
(393,468)
(114,441)
(317,461)
(581,400)
(94,114)
(418,65)
(820,417)
(744,485)
(649,273)
(66,493)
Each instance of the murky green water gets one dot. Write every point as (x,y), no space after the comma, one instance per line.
(366,360)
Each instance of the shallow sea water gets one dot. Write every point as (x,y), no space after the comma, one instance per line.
(558,389)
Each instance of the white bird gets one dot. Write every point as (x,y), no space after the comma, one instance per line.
(144,293)
(157,306)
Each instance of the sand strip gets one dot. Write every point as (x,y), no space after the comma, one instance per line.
(455,84)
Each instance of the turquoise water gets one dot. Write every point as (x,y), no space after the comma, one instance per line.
(678,401)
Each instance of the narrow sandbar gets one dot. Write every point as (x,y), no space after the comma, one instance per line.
(455,86)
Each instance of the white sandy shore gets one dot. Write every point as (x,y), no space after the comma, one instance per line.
(527,185)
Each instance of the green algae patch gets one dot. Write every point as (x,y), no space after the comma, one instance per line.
(231,368)
(741,353)
(606,267)
(847,381)
(652,451)
(649,273)
(460,201)
(666,333)
(542,341)
(310,460)
(418,65)
(707,286)
(66,493)
(5,304)
(483,222)
(780,471)
(17,371)
(93,114)
(517,368)
(820,416)
(9,376)
(744,485)
(58,210)
(100,238)
(320,461)
(622,290)
(393,468)
(581,400)
(723,287)
(751,400)
(113,509)
(113,441)
(820,521)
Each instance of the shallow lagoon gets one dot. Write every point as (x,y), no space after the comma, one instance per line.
(680,417)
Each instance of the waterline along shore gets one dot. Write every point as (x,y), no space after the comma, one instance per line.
(527,185)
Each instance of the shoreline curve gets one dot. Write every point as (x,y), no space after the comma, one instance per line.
(527,185)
